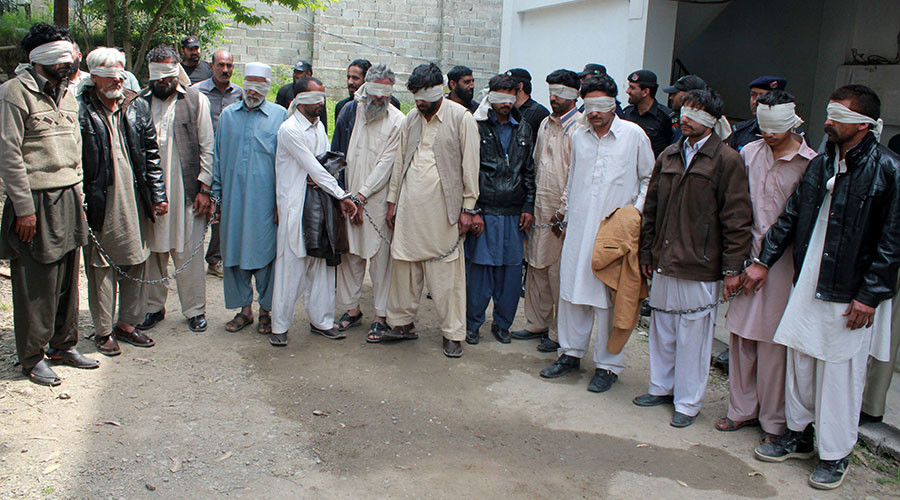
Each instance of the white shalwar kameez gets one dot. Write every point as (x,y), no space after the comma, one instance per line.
(299,141)
(826,361)
(605,174)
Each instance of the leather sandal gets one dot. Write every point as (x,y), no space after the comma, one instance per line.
(278,339)
(351,321)
(402,332)
(134,337)
(452,348)
(376,332)
(238,323)
(107,345)
(42,374)
(265,322)
(72,357)
(725,424)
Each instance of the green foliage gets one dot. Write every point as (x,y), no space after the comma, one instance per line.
(13,26)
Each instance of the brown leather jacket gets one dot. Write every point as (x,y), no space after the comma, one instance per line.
(696,223)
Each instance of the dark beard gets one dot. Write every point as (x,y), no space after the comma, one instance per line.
(57,73)
(464,95)
(162,92)
(74,68)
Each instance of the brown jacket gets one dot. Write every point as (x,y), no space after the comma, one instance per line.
(697,222)
(615,263)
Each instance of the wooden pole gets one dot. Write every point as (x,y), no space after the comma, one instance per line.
(61,12)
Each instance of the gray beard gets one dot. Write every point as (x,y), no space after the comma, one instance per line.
(113,94)
(375,111)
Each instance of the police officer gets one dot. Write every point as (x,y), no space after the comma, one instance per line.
(677,92)
(748,131)
(646,111)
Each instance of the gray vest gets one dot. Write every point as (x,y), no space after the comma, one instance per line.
(187,141)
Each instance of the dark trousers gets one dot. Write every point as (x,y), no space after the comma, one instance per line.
(213,252)
(45,305)
(483,283)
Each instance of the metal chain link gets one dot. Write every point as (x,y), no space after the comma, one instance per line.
(361,205)
(702,308)
(164,279)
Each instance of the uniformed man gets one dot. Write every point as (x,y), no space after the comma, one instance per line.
(646,111)
(748,131)
(677,93)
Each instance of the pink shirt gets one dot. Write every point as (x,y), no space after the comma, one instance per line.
(772,182)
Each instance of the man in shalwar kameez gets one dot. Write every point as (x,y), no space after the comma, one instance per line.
(544,246)
(244,180)
(431,204)
(611,162)
(300,139)
(374,140)
(844,224)
(186,142)
(775,165)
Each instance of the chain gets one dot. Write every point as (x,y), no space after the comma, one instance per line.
(361,205)
(164,279)
(702,308)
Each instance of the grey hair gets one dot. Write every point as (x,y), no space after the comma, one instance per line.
(161,53)
(105,56)
(380,72)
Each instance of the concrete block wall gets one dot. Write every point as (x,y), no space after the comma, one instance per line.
(399,33)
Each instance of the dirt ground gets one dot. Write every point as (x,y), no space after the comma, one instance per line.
(220,415)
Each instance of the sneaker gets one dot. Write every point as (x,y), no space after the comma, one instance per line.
(790,444)
(829,474)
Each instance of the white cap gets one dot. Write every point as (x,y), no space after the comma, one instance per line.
(258,69)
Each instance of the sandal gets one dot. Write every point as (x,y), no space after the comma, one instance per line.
(403,332)
(265,322)
(278,339)
(376,332)
(238,323)
(452,348)
(351,321)
(725,424)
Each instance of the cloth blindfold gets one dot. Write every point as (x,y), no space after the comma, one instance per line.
(109,72)
(837,112)
(430,94)
(778,118)
(261,88)
(563,92)
(371,89)
(598,105)
(158,71)
(48,54)
(305,98)
(492,97)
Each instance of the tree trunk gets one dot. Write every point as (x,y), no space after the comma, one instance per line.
(61,12)
(110,23)
(139,59)
(126,43)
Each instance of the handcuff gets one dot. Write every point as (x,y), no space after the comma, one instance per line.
(470,211)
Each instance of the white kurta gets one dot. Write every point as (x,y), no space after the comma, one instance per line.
(370,160)
(299,142)
(818,328)
(606,173)
(173,231)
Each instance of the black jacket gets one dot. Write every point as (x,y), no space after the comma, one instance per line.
(506,182)
(744,133)
(862,243)
(143,152)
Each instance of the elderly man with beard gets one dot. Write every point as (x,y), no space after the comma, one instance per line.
(551,165)
(495,250)
(843,223)
(462,87)
(300,139)
(356,76)
(611,163)
(371,149)
(185,136)
(221,94)
(244,181)
(43,223)
(695,232)
(123,192)
(431,206)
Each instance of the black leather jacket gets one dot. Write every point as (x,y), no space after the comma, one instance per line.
(143,151)
(506,181)
(862,243)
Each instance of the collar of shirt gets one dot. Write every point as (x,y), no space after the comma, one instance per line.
(209,85)
(440,113)
(615,128)
(696,147)
(304,123)
(262,108)
(511,122)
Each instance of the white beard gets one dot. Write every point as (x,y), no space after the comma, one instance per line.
(375,111)
(253,102)
(113,94)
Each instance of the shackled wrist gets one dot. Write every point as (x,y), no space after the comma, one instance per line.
(476,211)
(755,260)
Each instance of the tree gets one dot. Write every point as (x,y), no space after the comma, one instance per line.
(147,22)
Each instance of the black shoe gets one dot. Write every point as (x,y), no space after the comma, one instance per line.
(198,323)
(561,366)
(42,374)
(73,358)
(602,381)
(331,333)
(473,337)
(151,319)
(651,400)
(865,418)
(681,420)
(722,360)
(548,345)
(645,308)
(829,474)
(526,335)
(501,334)
(790,444)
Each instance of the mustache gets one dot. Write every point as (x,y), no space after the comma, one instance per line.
(831,130)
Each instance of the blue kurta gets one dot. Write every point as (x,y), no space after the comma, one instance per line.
(244,179)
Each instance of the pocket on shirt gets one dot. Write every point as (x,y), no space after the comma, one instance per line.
(267,143)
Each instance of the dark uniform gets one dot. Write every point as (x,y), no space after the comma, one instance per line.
(656,122)
(744,133)
(534,113)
